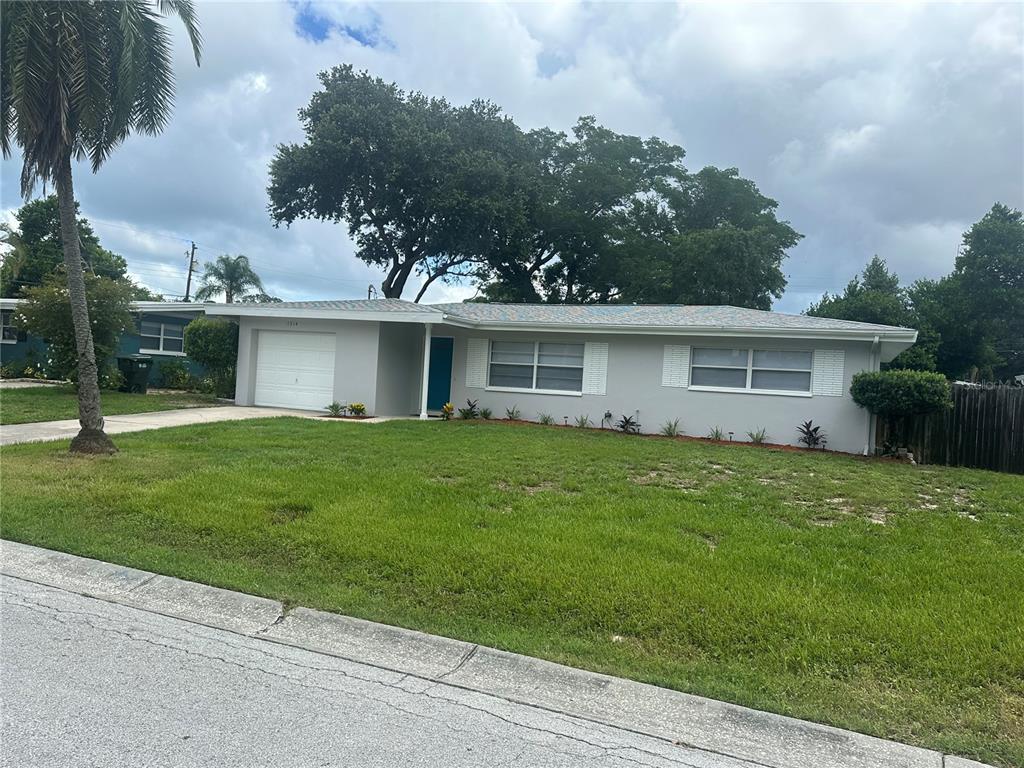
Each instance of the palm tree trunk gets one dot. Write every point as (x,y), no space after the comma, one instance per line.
(92,438)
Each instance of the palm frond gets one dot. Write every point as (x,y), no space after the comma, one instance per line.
(185,10)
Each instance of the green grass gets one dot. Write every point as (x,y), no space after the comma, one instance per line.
(20,406)
(866,594)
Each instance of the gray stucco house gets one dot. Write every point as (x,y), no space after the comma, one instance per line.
(738,369)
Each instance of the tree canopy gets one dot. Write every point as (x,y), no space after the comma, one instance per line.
(970,323)
(232,276)
(34,251)
(445,192)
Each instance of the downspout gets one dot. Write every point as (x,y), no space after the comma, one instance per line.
(874,364)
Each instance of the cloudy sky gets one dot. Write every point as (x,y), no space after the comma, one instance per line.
(879,128)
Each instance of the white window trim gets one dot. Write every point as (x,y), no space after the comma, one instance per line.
(167,352)
(748,390)
(10,314)
(536,364)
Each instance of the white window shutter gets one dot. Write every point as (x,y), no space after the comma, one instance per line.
(827,378)
(476,363)
(675,367)
(595,367)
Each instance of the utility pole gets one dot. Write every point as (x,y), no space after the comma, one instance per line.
(191,265)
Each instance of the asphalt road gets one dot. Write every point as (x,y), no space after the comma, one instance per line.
(85,682)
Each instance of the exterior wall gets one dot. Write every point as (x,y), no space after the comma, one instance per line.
(31,349)
(355,357)
(131,343)
(399,369)
(634,387)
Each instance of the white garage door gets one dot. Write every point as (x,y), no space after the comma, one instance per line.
(295,370)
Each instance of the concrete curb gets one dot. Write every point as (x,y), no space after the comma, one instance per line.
(770,740)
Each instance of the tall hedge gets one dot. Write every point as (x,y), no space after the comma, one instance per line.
(894,395)
(213,343)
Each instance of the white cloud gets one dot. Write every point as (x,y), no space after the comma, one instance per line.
(879,128)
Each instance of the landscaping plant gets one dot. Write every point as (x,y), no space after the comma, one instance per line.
(447,411)
(213,343)
(174,374)
(716,433)
(357,409)
(811,435)
(583,421)
(628,424)
(546,419)
(512,414)
(671,428)
(471,411)
(486,413)
(758,436)
(896,395)
(336,409)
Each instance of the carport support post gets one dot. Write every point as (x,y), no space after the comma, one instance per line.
(426,371)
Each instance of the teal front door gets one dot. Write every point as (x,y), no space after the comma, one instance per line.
(439,376)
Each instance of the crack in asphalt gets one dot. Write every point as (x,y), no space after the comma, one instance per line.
(605,749)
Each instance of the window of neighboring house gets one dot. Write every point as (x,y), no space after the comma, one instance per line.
(760,370)
(540,366)
(162,337)
(8,333)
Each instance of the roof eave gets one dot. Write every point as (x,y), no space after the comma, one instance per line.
(312,313)
(848,334)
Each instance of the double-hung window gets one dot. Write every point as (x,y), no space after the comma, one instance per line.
(8,333)
(540,366)
(755,370)
(162,337)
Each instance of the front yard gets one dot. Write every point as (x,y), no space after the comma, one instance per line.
(21,406)
(870,595)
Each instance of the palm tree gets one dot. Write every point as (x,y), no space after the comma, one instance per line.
(231,275)
(76,79)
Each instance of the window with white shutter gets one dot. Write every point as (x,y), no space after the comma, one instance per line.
(828,372)
(675,367)
(476,363)
(595,368)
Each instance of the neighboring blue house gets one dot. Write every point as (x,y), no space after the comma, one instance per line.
(160,332)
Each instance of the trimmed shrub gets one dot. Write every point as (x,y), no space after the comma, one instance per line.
(174,374)
(213,343)
(894,395)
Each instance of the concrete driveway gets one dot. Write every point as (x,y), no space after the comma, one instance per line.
(136,422)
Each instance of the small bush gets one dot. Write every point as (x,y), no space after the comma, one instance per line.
(447,411)
(336,409)
(759,436)
(513,414)
(109,377)
(174,374)
(486,413)
(583,421)
(546,418)
(628,424)
(671,428)
(471,411)
(811,435)
(357,409)
(716,433)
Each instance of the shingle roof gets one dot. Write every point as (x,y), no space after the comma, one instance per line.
(355,305)
(664,315)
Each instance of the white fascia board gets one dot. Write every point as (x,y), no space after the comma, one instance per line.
(904,335)
(237,310)
(169,306)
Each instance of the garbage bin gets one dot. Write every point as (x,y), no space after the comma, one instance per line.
(135,369)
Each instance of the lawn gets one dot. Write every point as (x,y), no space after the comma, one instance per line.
(20,406)
(866,594)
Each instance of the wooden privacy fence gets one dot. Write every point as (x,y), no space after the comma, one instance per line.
(983,429)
